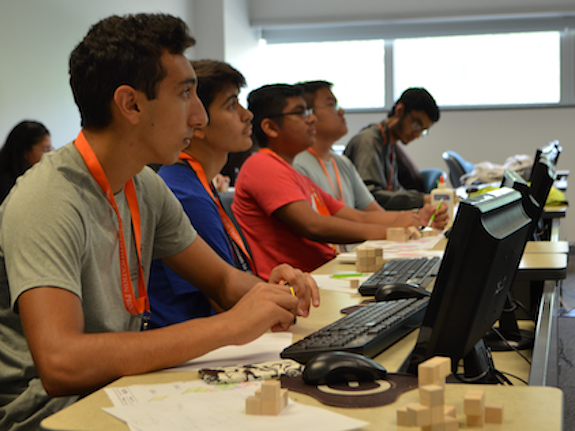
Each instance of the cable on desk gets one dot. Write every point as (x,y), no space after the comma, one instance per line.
(500,335)
(515,377)
(501,379)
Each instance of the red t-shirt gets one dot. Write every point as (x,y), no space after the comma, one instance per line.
(265,184)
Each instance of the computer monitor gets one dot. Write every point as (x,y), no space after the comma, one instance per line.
(479,265)
(552,151)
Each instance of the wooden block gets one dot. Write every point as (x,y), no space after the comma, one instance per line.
(402,417)
(449,411)
(434,427)
(396,234)
(353,283)
(378,261)
(418,415)
(451,424)
(437,414)
(271,407)
(474,403)
(284,398)
(253,405)
(378,252)
(362,251)
(475,421)
(271,390)
(413,232)
(432,395)
(494,413)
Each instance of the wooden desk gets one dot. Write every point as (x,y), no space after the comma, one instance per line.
(526,408)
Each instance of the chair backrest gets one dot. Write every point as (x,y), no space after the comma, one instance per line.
(430,178)
(457,166)
(226,198)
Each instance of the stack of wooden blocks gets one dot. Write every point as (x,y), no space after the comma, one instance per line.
(401,234)
(271,399)
(478,412)
(369,259)
(432,414)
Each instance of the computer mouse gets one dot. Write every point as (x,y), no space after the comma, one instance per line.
(400,291)
(341,367)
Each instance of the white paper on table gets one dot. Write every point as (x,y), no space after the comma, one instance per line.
(422,247)
(225,410)
(264,349)
(327,282)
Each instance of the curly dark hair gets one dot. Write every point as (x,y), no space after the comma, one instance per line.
(118,51)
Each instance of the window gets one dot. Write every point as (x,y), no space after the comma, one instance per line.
(495,69)
(522,68)
(356,68)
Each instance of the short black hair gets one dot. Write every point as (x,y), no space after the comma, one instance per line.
(118,51)
(268,101)
(310,88)
(213,77)
(418,99)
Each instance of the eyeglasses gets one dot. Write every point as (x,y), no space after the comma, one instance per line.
(417,127)
(303,113)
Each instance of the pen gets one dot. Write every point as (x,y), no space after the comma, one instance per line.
(292,294)
(344,275)
(433,215)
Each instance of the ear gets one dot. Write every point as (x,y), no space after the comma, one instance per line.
(126,100)
(400,109)
(270,128)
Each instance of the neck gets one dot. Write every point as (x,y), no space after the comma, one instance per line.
(117,156)
(286,155)
(391,125)
(322,148)
(211,160)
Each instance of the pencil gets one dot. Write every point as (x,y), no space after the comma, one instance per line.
(433,215)
(292,294)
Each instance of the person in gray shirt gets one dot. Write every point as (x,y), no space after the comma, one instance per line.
(336,174)
(79,231)
(374,153)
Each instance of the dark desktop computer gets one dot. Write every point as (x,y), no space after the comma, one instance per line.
(478,268)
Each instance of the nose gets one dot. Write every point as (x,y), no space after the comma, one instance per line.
(247,114)
(311,118)
(197,116)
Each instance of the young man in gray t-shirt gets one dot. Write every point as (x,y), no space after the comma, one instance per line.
(79,230)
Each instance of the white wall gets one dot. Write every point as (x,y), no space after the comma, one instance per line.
(37,36)
(36,39)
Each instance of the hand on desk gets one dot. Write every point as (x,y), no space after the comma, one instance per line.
(303,284)
(440,220)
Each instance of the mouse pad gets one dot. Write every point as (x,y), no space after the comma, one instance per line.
(365,394)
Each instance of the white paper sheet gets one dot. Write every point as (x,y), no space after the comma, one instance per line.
(266,348)
(328,282)
(225,410)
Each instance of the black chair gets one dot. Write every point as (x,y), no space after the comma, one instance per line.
(431,178)
(458,167)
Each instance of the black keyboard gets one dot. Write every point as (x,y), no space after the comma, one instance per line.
(418,271)
(367,331)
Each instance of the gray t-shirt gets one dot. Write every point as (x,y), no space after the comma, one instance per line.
(355,193)
(58,229)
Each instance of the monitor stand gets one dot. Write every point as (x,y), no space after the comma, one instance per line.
(478,368)
(517,339)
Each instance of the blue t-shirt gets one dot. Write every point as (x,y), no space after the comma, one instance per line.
(173,299)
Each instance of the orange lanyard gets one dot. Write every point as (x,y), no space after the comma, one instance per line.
(141,304)
(338,192)
(390,155)
(227,222)
(320,205)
